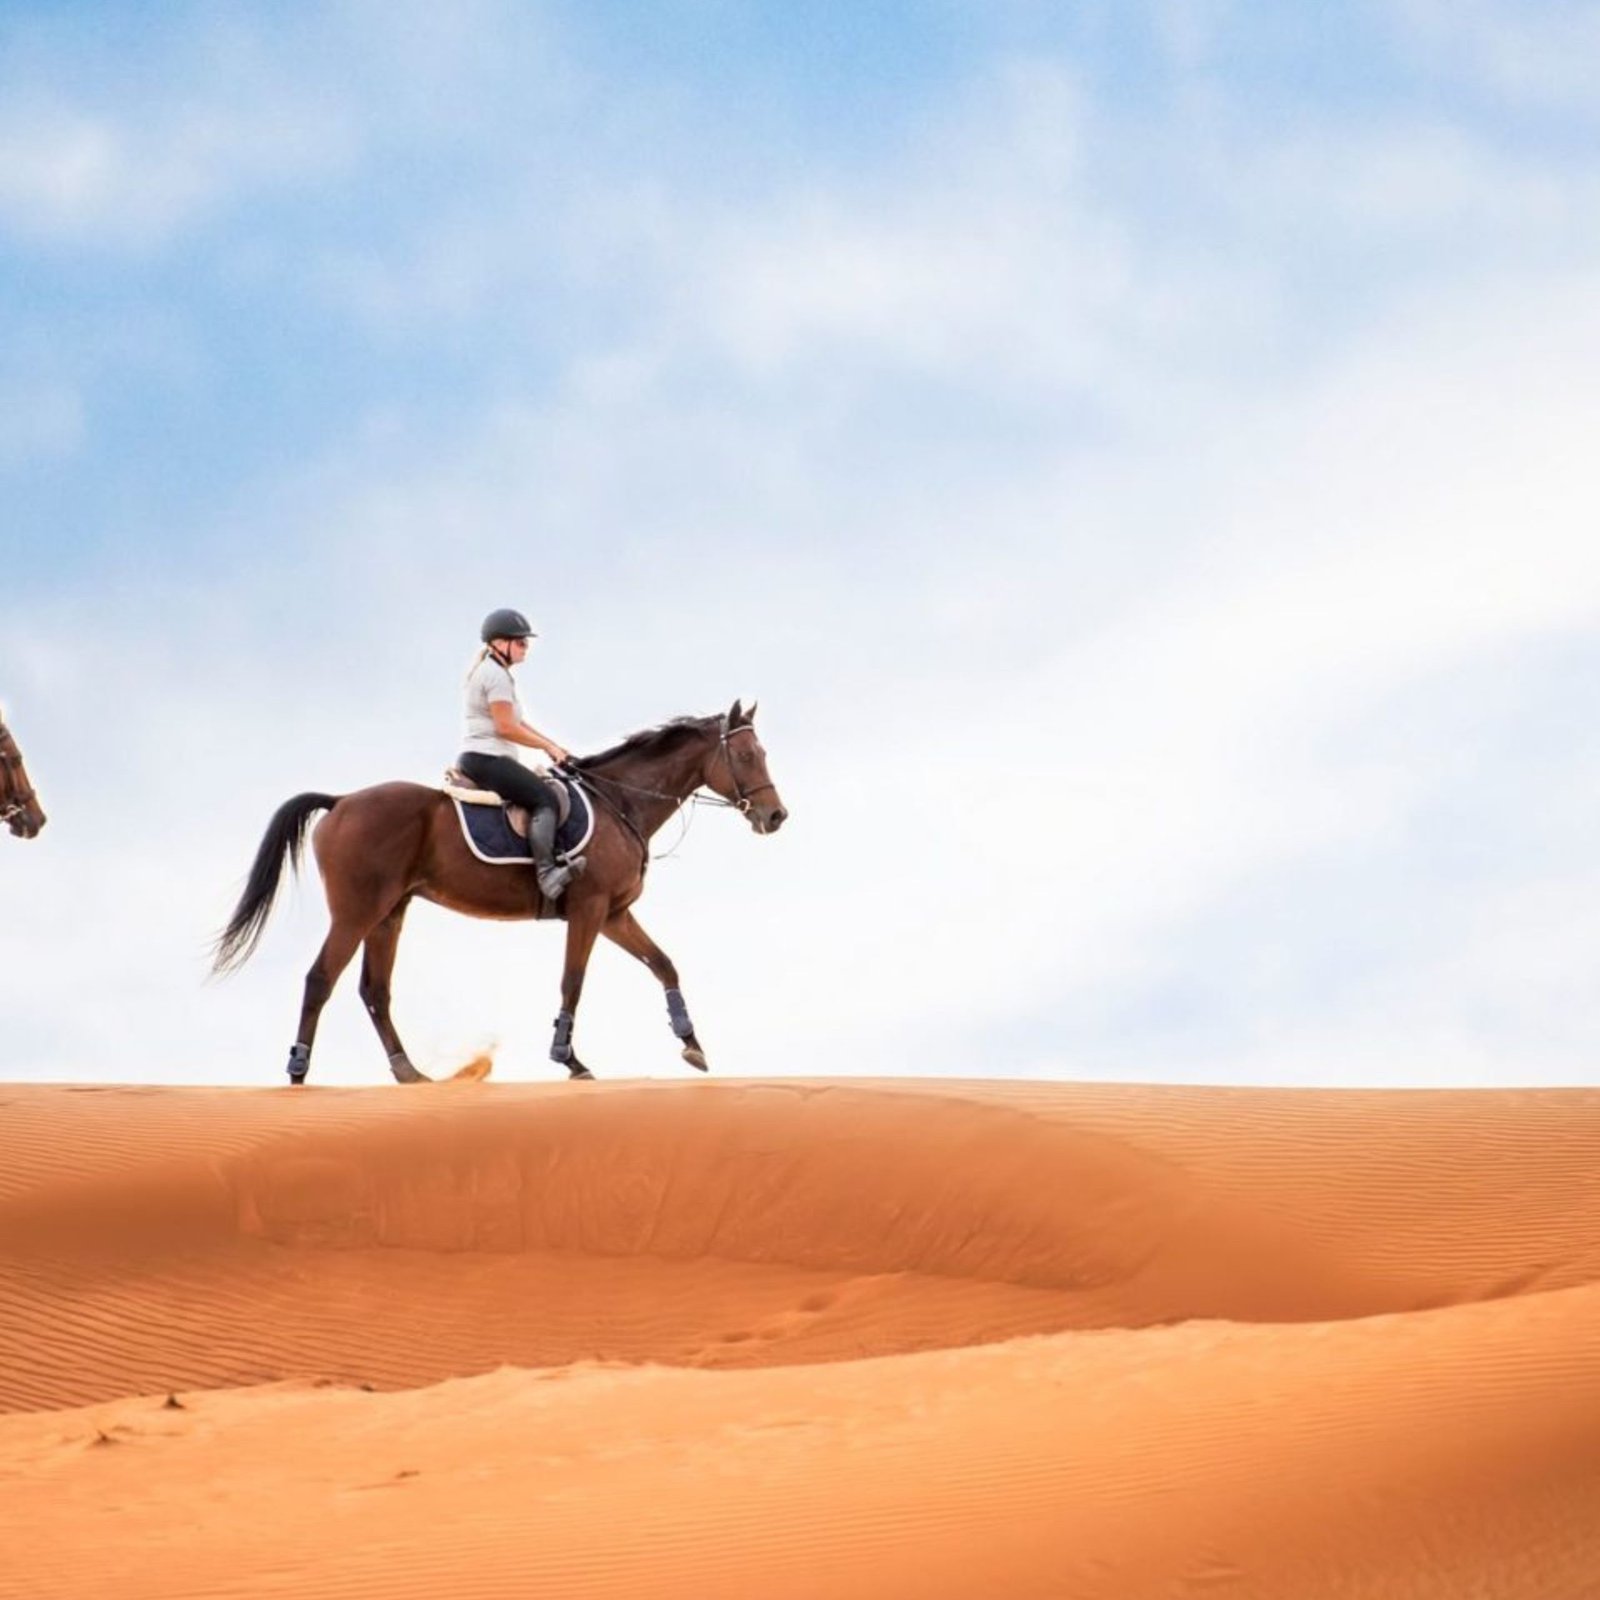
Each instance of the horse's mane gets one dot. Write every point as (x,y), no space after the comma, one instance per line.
(664,739)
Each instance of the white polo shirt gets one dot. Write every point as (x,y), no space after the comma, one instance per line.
(489,684)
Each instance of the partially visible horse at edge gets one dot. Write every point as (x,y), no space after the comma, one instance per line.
(380,848)
(19,805)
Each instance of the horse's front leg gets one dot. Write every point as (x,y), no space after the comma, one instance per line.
(585,914)
(624,930)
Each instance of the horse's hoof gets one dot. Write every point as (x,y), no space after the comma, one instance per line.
(299,1065)
(696,1059)
(404,1072)
(580,1073)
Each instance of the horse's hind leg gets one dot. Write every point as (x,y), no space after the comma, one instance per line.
(377,964)
(334,956)
(624,930)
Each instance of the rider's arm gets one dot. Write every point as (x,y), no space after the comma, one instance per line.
(507,726)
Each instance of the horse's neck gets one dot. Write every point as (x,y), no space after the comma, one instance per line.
(668,779)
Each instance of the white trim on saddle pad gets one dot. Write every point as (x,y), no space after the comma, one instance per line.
(479,797)
(458,800)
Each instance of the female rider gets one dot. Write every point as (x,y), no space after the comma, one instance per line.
(495,729)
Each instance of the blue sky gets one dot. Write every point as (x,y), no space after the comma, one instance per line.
(1138,453)
(257,262)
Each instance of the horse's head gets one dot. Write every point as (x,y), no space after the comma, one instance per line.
(19,805)
(736,769)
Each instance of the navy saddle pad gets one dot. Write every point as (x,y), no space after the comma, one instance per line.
(489,835)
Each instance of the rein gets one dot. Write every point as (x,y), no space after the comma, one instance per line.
(695,797)
(622,816)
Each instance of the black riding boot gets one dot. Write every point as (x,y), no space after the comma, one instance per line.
(553,877)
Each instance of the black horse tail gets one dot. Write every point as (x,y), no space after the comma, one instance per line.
(285,837)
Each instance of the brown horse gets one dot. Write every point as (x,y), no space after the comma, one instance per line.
(19,805)
(380,847)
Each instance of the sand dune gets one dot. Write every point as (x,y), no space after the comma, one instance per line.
(800,1339)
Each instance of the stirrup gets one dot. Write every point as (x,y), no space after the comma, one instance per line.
(554,880)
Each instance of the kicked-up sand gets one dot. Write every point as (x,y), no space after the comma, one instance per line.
(895,1340)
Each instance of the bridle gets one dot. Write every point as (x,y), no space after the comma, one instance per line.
(741,795)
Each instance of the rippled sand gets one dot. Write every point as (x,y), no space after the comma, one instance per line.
(799,1339)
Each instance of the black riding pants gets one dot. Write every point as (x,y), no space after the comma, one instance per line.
(509,779)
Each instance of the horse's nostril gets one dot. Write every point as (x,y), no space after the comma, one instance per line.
(777,819)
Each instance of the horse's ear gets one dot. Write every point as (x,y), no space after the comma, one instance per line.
(736,716)
(750,715)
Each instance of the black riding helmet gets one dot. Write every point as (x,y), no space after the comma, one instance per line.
(505,624)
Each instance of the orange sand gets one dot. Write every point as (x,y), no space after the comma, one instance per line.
(799,1339)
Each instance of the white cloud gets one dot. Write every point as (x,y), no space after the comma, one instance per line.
(207,114)
(70,175)
(1548,54)
(1407,182)
(939,268)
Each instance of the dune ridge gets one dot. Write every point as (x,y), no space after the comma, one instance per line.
(923,1338)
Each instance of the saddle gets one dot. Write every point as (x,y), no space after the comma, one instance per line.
(460,787)
(498,834)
